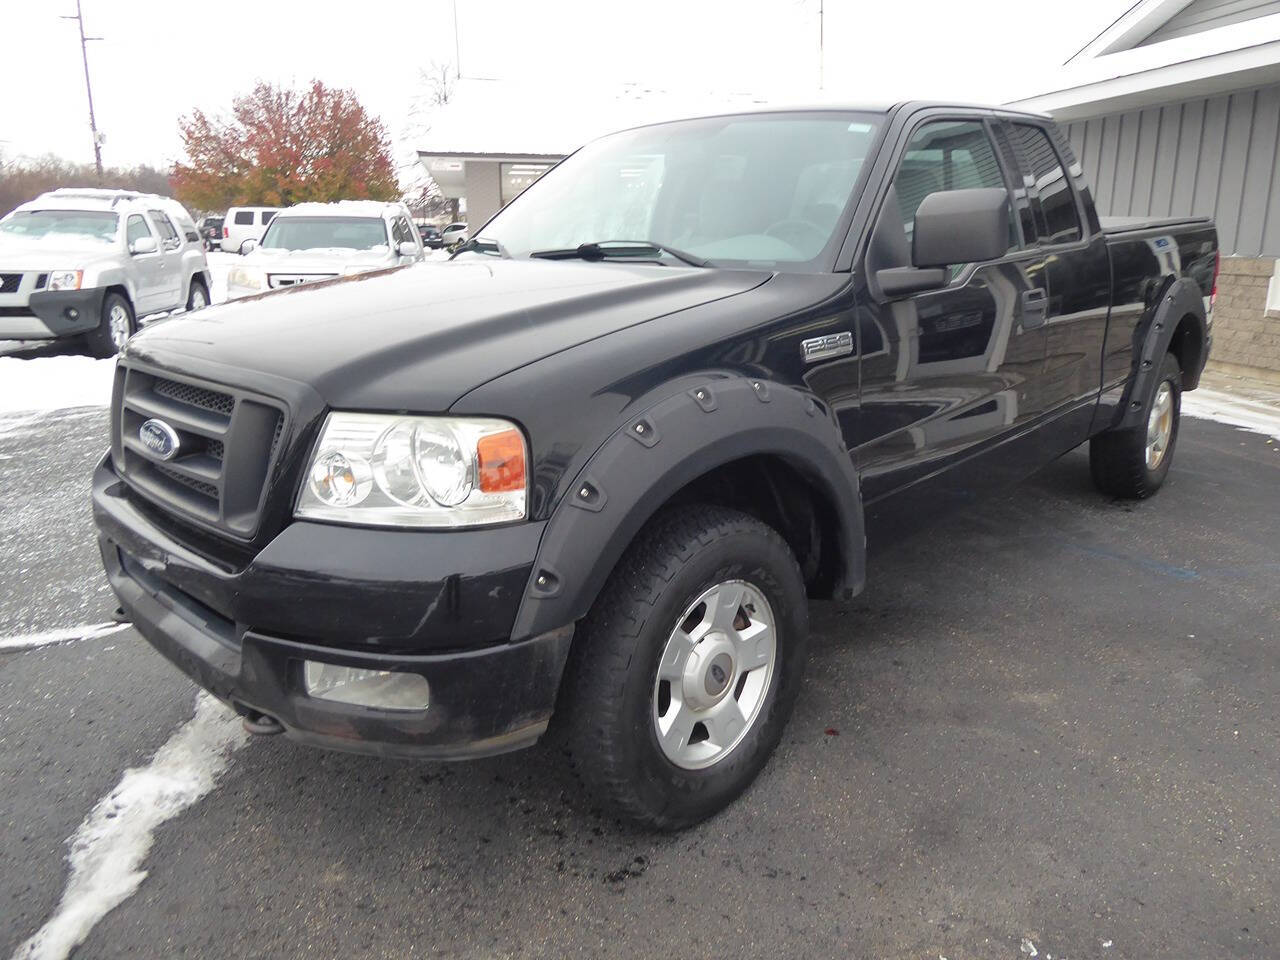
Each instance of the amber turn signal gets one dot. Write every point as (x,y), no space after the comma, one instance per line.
(500,459)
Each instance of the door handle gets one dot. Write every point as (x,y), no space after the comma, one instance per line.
(1035,307)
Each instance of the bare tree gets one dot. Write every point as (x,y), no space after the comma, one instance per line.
(437,81)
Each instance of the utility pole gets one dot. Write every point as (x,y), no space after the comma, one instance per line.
(93,124)
(457,49)
(821,64)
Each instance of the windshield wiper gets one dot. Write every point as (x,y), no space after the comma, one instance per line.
(478,243)
(620,248)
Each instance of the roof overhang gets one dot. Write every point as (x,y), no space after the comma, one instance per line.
(1228,58)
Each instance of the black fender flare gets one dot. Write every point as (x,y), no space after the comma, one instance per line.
(703,423)
(1180,298)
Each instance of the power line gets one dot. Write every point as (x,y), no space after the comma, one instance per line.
(93,123)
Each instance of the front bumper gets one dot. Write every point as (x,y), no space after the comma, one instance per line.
(64,313)
(484,699)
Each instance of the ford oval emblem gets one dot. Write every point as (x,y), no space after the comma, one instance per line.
(160,439)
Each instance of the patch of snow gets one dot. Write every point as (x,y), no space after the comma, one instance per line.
(1029,948)
(54,383)
(1234,409)
(108,849)
(31,640)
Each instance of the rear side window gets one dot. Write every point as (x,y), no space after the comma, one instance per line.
(266,216)
(1057,202)
(244,218)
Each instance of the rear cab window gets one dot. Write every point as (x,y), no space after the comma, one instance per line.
(267,215)
(244,218)
(1058,218)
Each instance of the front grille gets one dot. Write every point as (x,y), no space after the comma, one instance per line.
(195,396)
(277,280)
(227,444)
(10,282)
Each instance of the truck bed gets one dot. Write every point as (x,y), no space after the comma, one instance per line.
(1116,225)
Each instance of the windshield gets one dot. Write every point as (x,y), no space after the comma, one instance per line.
(61,227)
(312,233)
(763,188)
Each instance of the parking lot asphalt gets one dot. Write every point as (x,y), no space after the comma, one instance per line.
(1049,725)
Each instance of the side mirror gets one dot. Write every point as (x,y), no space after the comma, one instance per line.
(143,245)
(961,226)
(407,249)
(248,246)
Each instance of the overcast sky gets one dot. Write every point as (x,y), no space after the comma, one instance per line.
(160,58)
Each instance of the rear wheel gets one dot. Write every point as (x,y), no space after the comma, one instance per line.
(1133,463)
(687,667)
(114,329)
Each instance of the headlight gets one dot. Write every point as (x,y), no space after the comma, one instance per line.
(384,470)
(240,277)
(65,279)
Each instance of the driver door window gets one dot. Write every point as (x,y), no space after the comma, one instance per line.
(945,155)
(135,230)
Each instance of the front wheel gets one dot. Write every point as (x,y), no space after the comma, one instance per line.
(686,668)
(114,329)
(1133,463)
(198,298)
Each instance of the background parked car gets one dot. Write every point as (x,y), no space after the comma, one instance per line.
(454,233)
(431,236)
(320,241)
(245,223)
(211,232)
(90,262)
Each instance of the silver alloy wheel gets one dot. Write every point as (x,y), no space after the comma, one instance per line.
(1159,425)
(118,325)
(714,675)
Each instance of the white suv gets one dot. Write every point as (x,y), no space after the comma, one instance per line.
(320,241)
(245,223)
(81,261)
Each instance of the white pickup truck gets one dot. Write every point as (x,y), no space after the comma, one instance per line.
(89,263)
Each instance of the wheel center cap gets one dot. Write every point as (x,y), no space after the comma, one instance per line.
(709,672)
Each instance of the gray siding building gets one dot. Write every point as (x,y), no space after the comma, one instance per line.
(1174,110)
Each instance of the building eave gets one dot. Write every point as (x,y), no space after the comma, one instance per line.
(1234,57)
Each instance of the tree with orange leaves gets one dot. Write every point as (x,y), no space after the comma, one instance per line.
(283,146)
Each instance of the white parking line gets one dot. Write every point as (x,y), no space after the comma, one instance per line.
(108,849)
(89,632)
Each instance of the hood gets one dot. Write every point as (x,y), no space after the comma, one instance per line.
(419,337)
(54,253)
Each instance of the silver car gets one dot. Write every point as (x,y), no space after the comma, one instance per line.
(90,263)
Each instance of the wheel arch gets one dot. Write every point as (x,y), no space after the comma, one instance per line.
(1176,324)
(792,471)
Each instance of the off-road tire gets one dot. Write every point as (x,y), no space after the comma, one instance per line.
(606,712)
(99,341)
(1118,458)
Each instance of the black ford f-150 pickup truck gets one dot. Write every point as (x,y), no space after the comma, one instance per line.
(592,467)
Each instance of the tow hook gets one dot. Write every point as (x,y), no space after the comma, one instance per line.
(261,725)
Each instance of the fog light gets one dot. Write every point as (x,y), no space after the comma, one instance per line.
(367,688)
(72,313)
